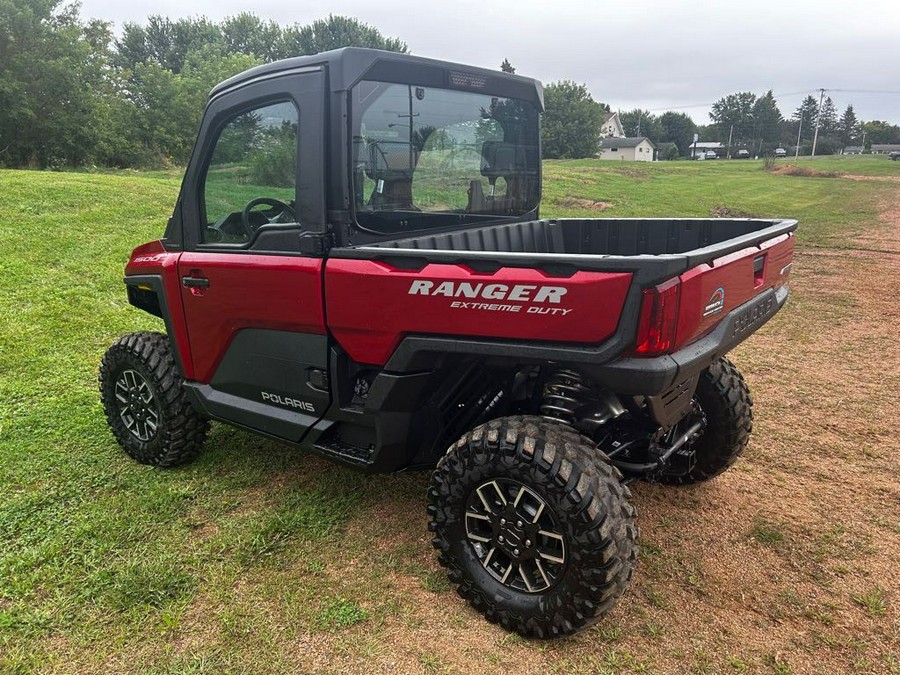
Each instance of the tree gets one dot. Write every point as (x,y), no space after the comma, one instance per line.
(678,128)
(848,127)
(828,120)
(333,33)
(507,67)
(571,121)
(170,67)
(55,87)
(165,42)
(767,119)
(878,131)
(734,111)
(639,122)
(247,34)
(806,115)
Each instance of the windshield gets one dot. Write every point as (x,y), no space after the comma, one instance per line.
(426,157)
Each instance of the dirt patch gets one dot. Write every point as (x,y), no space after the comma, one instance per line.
(887,237)
(725,212)
(621,169)
(581,203)
(881,179)
(809,172)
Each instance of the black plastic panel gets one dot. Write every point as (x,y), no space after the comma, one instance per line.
(159,302)
(268,372)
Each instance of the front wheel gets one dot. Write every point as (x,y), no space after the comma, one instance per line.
(145,403)
(533,525)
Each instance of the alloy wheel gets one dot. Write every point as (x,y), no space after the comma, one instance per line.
(137,405)
(515,535)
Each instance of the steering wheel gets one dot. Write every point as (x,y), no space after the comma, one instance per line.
(286,210)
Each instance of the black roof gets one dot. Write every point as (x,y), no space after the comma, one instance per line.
(349,65)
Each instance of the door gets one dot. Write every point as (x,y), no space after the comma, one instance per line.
(252,300)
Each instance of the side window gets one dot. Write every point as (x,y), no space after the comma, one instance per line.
(252,175)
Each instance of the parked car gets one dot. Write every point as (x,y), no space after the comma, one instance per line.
(780,152)
(711,155)
(895,155)
(743,154)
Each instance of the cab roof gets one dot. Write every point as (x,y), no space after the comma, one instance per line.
(349,65)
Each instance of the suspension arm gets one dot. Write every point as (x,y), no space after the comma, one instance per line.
(644,468)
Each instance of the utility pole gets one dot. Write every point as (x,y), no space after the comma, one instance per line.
(799,132)
(818,117)
(728,150)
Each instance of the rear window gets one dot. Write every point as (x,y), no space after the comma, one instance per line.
(423,154)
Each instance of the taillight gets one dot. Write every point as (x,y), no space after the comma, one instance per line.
(658,320)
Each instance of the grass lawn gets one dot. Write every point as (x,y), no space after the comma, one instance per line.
(260,558)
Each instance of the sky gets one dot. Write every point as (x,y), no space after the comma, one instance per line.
(653,54)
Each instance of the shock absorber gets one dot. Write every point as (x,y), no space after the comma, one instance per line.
(563,393)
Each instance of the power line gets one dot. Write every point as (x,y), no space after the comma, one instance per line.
(864,91)
(709,105)
(779,95)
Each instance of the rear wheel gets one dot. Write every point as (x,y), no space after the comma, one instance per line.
(145,404)
(533,525)
(724,399)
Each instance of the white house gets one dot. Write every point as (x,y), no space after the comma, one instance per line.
(640,149)
(702,147)
(612,126)
(884,148)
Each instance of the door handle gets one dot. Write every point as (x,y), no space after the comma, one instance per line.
(195,282)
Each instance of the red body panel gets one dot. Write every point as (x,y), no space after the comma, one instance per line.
(153,259)
(247,291)
(734,274)
(373,305)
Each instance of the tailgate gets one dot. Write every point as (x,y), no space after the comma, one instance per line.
(711,290)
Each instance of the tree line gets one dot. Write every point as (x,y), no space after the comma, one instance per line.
(71,94)
(743,120)
(756,123)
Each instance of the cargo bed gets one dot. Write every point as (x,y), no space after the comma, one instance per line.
(604,236)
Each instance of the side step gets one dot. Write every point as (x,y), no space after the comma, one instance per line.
(344,452)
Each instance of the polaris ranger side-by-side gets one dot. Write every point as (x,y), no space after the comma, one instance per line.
(356,266)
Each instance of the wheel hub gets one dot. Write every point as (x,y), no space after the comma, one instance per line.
(515,535)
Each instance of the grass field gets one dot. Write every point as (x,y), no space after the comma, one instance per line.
(258,558)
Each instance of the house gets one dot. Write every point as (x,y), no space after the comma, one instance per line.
(640,149)
(612,126)
(700,149)
(852,150)
(885,148)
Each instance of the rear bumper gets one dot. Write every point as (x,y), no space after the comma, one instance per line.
(631,375)
(623,375)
